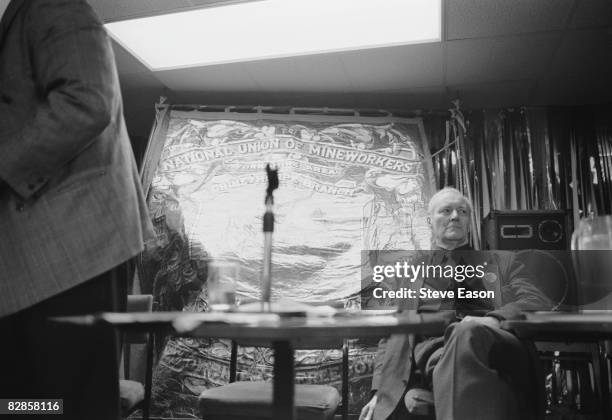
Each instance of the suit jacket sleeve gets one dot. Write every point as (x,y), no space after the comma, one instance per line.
(378,363)
(71,74)
(518,291)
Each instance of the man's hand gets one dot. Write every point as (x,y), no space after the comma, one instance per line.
(368,409)
(489,321)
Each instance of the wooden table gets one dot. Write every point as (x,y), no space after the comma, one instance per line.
(281,331)
(560,326)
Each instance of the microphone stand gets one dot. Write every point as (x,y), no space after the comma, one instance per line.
(268,229)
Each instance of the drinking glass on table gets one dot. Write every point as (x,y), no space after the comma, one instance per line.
(592,255)
(221,283)
(593,233)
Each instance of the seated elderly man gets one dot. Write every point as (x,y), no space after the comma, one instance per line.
(476,370)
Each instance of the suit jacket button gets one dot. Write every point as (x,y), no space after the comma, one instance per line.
(20,207)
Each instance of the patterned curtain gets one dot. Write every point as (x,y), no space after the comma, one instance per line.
(526,158)
(588,132)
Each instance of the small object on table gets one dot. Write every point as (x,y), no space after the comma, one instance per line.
(221,283)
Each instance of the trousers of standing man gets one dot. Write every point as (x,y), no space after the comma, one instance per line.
(80,365)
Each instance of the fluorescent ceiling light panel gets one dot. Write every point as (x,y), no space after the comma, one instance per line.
(276,28)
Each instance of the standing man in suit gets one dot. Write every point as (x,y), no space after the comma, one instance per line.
(476,370)
(72,211)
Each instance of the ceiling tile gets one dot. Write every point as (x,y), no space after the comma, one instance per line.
(485,18)
(226,77)
(580,70)
(277,99)
(527,58)
(210,3)
(585,54)
(394,67)
(220,98)
(592,13)
(305,73)
(417,98)
(314,99)
(499,59)
(556,92)
(140,81)
(126,62)
(494,95)
(422,98)
(111,10)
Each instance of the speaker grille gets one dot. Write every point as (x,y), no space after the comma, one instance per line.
(526,229)
(550,231)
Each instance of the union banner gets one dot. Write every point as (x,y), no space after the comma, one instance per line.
(347,184)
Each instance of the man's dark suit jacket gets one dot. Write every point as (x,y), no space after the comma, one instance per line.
(393,363)
(71,205)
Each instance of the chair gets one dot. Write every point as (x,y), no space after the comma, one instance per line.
(575,366)
(253,399)
(133,394)
(577,375)
(577,378)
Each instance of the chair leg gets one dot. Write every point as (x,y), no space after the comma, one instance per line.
(148,379)
(601,383)
(283,386)
(126,361)
(539,386)
(345,380)
(233,361)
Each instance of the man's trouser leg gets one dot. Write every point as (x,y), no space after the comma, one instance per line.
(76,364)
(483,374)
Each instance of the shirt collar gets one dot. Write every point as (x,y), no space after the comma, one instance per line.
(464,246)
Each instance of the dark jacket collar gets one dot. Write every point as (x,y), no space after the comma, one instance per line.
(466,247)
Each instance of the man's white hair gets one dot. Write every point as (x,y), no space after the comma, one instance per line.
(446,190)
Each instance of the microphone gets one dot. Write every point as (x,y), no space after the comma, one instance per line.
(268,229)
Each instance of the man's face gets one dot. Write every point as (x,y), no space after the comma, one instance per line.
(450,220)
